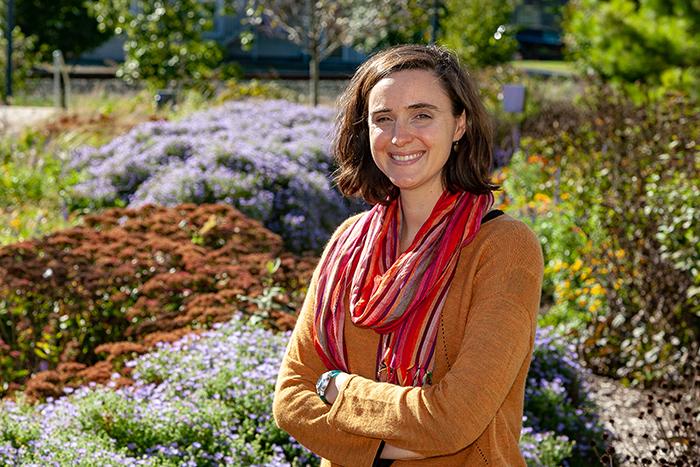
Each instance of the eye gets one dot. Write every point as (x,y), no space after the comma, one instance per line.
(423,116)
(382,119)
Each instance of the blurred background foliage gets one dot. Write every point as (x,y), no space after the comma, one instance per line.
(655,42)
(60,24)
(165,45)
(479,31)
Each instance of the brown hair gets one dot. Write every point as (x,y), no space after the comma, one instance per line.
(467,168)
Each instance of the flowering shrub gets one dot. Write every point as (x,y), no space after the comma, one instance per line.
(267,158)
(556,401)
(571,292)
(133,275)
(613,201)
(203,400)
(207,399)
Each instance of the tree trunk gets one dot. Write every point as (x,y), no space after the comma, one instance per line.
(8,55)
(314,75)
(313,37)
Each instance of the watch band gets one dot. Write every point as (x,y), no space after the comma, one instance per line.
(322,383)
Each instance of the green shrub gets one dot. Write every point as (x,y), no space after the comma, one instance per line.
(653,41)
(235,89)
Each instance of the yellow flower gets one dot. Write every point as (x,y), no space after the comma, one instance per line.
(535,159)
(542,198)
(619,254)
(15,223)
(558,266)
(564,196)
(594,306)
(577,265)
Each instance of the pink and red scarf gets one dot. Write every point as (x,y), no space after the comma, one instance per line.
(398,296)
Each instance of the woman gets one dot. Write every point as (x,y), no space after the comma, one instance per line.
(415,338)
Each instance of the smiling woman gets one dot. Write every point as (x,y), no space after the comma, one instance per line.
(415,338)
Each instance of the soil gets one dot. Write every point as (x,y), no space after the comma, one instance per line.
(633,431)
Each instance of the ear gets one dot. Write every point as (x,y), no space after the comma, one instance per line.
(461,126)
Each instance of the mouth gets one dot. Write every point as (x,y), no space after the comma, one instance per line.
(406,157)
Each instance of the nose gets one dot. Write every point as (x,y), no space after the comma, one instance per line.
(401,135)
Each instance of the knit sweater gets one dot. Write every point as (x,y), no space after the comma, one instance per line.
(471,415)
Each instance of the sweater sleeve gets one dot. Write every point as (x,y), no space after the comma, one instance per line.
(296,407)
(450,415)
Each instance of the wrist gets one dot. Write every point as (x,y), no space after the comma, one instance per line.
(337,386)
(325,386)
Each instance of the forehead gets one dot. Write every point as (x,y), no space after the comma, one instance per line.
(406,87)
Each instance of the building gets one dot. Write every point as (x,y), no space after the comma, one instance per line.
(537,21)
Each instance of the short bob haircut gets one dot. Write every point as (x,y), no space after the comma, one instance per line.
(467,168)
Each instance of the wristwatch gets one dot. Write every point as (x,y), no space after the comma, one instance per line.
(323,382)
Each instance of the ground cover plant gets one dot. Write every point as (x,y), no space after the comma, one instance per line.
(127,278)
(206,400)
(267,158)
(557,403)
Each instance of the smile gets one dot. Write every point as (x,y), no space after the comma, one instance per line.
(407,157)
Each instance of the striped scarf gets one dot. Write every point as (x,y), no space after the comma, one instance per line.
(398,296)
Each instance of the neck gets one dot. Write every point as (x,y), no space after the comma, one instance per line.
(415,210)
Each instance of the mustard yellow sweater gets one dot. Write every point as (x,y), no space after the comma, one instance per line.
(472,413)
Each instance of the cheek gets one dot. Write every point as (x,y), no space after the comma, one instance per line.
(377,138)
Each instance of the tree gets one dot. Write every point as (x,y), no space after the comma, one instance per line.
(319,27)
(164,39)
(418,24)
(59,24)
(23,56)
(651,41)
(479,31)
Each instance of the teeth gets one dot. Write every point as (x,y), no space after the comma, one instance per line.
(407,157)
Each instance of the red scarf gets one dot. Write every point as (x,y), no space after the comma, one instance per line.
(399,296)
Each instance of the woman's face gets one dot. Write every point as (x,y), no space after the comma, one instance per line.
(411,130)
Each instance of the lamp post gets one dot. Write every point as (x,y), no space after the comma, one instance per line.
(8,55)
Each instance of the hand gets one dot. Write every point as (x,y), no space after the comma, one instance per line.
(336,386)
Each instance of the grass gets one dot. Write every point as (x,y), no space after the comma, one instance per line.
(558,67)
(33,185)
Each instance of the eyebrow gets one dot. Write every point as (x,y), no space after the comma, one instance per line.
(419,105)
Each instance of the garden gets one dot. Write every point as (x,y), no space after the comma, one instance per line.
(153,259)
